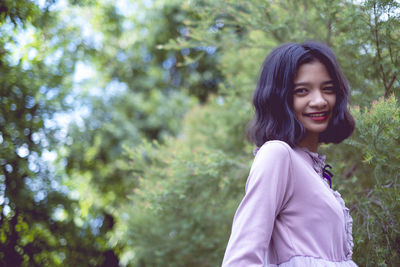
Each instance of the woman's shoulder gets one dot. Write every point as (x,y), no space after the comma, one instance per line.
(274,150)
(275,147)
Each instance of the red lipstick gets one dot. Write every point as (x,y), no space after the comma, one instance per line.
(318,116)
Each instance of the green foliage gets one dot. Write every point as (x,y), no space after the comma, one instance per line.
(38,225)
(184,203)
(221,124)
(363,37)
(142,92)
(18,12)
(376,209)
(183,206)
(96,146)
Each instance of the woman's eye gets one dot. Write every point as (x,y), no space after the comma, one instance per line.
(329,89)
(300,91)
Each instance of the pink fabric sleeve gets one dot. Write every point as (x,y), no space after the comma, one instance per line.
(268,188)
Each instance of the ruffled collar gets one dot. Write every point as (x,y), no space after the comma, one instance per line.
(317,160)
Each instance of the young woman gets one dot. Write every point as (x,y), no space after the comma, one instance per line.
(290,216)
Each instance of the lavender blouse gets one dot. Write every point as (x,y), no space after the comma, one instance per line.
(289,215)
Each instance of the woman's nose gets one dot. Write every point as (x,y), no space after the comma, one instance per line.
(318,100)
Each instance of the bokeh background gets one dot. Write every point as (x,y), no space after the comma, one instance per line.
(122,125)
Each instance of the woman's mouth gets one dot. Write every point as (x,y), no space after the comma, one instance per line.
(318,116)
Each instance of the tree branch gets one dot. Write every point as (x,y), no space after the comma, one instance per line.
(349,172)
(390,84)
(378,49)
(329,33)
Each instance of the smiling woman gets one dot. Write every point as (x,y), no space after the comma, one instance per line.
(290,216)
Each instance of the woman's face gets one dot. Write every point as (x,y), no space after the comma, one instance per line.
(314,97)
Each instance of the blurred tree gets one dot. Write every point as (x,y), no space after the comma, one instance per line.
(144,91)
(182,209)
(365,33)
(138,91)
(39,224)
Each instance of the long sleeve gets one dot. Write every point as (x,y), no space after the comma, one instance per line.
(268,188)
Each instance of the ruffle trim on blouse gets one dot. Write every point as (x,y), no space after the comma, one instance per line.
(349,224)
(318,161)
(301,261)
(318,165)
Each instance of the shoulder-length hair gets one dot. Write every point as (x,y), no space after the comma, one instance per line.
(273,98)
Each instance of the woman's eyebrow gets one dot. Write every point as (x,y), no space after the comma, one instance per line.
(306,84)
(328,82)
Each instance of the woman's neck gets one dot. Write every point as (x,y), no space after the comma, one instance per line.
(310,141)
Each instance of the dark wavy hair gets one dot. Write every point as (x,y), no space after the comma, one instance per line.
(273,97)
